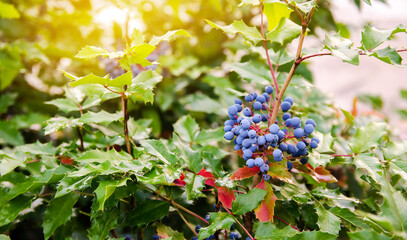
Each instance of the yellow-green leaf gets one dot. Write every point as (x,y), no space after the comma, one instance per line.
(169,36)
(275,12)
(250,33)
(8,11)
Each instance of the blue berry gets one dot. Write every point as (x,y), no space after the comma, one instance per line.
(266,96)
(247,154)
(229,122)
(289,99)
(256,118)
(252,134)
(283,147)
(259,162)
(264,118)
(288,122)
(194,238)
(280,135)
(207,217)
(304,160)
(286,116)
(299,133)
(227,128)
(254,95)
(247,112)
(211,237)
(261,99)
(229,136)
(285,106)
(313,144)
(234,236)
(269,89)
(264,168)
(289,165)
(301,145)
(308,129)
(239,107)
(243,133)
(291,148)
(238,101)
(253,148)
(274,129)
(253,140)
(197,228)
(295,121)
(266,177)
(269,137)
(257,105)
(250,163)
(239,140)
(232,117)
(277,153)
(261,140)
(237,147)
(156,237)
(312,122)
(245,124)
(128,237)
(248,98)
(246,143)
(315,139)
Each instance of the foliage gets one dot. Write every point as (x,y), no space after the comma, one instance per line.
(82,160)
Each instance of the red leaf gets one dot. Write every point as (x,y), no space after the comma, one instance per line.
(210,179)
(226,196)
(265,211)
(278,171)
(244,172)
(66,160)
(324,175)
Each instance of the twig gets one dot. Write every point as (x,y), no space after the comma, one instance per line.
(342,155)
(247,232)
(33,161)
(78,130)
(187,223)
(284,221)
(126,130)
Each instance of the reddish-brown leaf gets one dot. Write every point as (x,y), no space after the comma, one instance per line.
(324,175)
(226,196)
(265,211)
(210,179)
(278,171)
(244,172)
(66,160)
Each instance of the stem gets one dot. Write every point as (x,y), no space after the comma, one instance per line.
(176,205)
(293,67)
(247,232)
(84,213)
(287,223)
(342,155)
(78,130)
(265,48)
(32,161)
(126,130)
(187,223)
(112,90)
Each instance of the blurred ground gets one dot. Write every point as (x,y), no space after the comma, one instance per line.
(344,81)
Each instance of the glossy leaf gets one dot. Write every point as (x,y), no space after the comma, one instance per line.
(158,149)
(349,217)
(275,12)
(388,55)
(89,79)
(285,32)
(250,33)
(244,172)
(341,47)
(373,37)
(9,134)
(194,186)
(6,100)
(226,196)
(312,235)
(367,234)
(252,72)
(220,220)
(64,105)
(186,128)
(199,102)
(148,211)
(58,212)
(102,223)
(327,221)
(9,210)
(166,232)
(247,202)
(265,211)
(368,137)
(120,81)
(278,171)
(101,117)
(136,55)
(369,163)
(105,189)
(169,36)
(267,230)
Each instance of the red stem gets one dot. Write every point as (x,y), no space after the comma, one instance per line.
(342,155)
(287,223)
(247,232)
(265,48)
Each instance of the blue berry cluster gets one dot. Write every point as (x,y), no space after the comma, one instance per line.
(260,140)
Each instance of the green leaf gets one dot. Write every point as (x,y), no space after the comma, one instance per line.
(148,211)
(10,66)
(64,104)
(349,117)
(267,231)
(306,7)
(327,221)
(375,101)
(69,184)
(58,212)
(388,55)
(316,159)
(139,129)
(120,81)
(6,100)
(341,47)
(212,163)
(38,148)
(169,36)
(4,237)
(220,220)
(403,93)
(253,72)
(147,79)
(199,102)
(208,136)
(285,32)
(8,11)
(140,93)
(55,124)
(165,232)
(105,189)
(194,185)
(9,210)
(90,79)
(373,37)
(367,234)
(102,223)
(89,52)
(136,55)
(349,217)
(247,202)
(394,150)
(275,12)
(9,134)
(368,162)
(368,137)
(101,117)
(10,162)
(191,157)
(312,235)
(160,150)
(186,128)
(250,33)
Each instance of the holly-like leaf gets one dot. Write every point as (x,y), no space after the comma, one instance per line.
(158,149)
(278,171)
(247,202)
(136,55)
(169,36)
(244,172)
(102,223)
(250,33)
(349,217)
(105,189)
(8,10)
(186,128)
(213,163)
(58,123)
(89,79)
(199,102)
(148,211)
(369,163)
(312,235)
(101,117)
(267,230)
(265,211)
(285,32)
(147,79)
(327,221)
(89,52)
(166,232)
(368,234)
(120,81)
(208,136)
(226,196)
(58,212)
(252,72)
(194,185)
(316,159)
(220,220)
(368,137)
(9,134)
(64,104)
(324,175)
(275,12)
(140,93)
(388,55)
(9,210)
(373,37)
(341,47)
(394,150)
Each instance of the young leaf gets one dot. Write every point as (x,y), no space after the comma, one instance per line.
(148,211)
(166,232)
(328,222)
(252,72)
(140,93)
(137,37)
(169,36)
(247,202)
(388,55)
(226,196)
(147,79)
(64,104)
(285,32)
(89,52)
(120,81)
(341,47)
(368,137)
(90,79)
(58,212)
(275,12)
(186,128)
(265,211)
(220,220)
(250,33)
(136,55)
(106,188)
